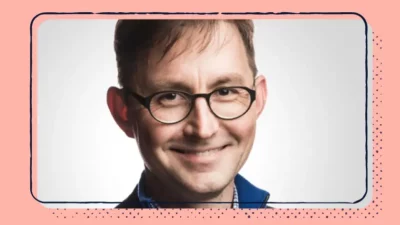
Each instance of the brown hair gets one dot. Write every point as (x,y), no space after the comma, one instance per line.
(134,39)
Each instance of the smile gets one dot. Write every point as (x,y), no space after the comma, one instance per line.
(199,152)
(200,156)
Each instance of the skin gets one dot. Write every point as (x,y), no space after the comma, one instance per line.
(170,176)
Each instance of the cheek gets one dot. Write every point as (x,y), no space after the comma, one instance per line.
(243,131)
(152,138)
(243,128)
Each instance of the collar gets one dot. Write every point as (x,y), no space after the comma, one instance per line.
(150,203)
(250,195)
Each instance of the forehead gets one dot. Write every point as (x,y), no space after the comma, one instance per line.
(199,58)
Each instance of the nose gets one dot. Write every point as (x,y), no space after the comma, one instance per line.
(201,123)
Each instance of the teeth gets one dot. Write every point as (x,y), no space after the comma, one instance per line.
(209,152)
(204,153)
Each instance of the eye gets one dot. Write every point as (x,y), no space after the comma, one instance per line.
(224,91)
(225,94)
(168,96)
(169,99)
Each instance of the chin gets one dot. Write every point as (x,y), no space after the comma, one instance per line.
(211,182)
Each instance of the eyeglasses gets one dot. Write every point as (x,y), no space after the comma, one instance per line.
(171,107)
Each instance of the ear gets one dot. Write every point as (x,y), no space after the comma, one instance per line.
(261,94)
(119,110)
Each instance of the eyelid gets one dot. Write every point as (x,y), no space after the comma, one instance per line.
(182,94)
(170,91)
(227,87)
(223,87)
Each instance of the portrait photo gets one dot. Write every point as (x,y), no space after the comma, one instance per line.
(202,113)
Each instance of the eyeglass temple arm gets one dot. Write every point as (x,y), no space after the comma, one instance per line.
(141,99)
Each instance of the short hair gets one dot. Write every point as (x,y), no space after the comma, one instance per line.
(134,40)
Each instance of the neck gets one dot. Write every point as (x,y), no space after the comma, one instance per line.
(161,191)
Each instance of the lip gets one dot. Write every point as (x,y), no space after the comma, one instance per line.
(200,156)
(189,150)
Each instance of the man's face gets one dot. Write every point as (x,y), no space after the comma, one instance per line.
(223,63)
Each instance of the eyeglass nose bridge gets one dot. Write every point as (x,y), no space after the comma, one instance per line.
(207,96)
(193,98)
(196,96)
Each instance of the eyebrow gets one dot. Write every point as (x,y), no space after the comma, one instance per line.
(233,79)
(170,85)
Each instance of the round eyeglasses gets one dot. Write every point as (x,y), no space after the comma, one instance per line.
(170,107)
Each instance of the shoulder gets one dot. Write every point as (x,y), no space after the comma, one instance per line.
(132,201)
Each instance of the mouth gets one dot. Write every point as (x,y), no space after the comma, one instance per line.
(202,156)
(199,152)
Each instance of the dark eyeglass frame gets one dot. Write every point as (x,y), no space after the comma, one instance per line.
(145,101)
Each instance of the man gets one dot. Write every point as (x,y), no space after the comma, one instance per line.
(190,98)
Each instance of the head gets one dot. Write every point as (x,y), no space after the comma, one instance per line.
(202,153)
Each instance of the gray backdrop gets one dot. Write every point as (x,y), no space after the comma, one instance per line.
(310,143)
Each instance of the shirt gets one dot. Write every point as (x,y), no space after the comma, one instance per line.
(248,196)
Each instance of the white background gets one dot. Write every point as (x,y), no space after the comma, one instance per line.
(310,142)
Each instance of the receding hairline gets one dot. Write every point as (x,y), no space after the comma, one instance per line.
(193,39)
(166,35)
